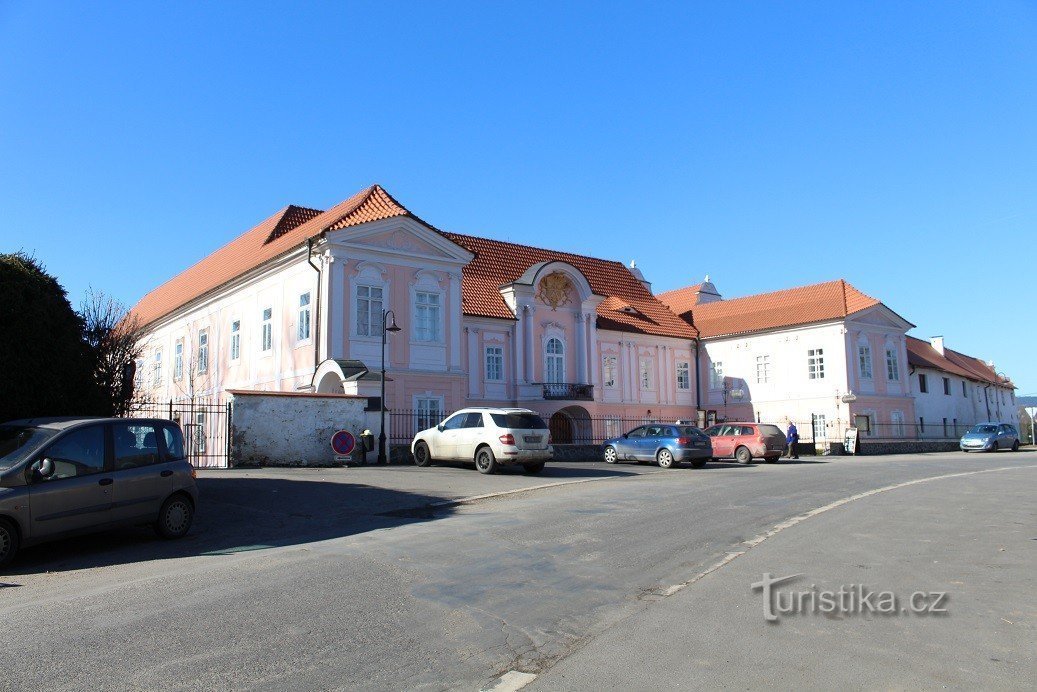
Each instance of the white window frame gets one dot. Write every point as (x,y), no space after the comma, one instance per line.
(304,324)
(763,369)
(609,368)
(423,410)
(199,432)
(493,359)
(178,360)
(816,364)
(156,368)
(266,332)
(428,316)
(892,364)
(683,375)
(557,358)
(203,351)
(235,340)
(612,426)
(716,374)
(896,419)
(864,363)
(372,325)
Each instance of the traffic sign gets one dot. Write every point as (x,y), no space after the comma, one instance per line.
(1032,411)
(343,442)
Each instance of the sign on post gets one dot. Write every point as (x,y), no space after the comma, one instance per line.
(1032,412)
(850,441)
(343,443)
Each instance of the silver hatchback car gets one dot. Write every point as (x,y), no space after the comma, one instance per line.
(66,476)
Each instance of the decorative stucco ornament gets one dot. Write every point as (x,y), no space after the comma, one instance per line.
(555,289)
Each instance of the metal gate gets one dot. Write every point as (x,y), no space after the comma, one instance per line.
(205,422)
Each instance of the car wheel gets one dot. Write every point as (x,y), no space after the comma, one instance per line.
(175,517)
(534,468)
(698,463)
(993,447)
(743,455)
(8,542)
(610,454)
(422,456)
(485,462)
(664,458)
(1015,446)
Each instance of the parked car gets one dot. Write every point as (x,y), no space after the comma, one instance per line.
(490,437)
(666,444)
(67,476)
(746,441)
(990,437)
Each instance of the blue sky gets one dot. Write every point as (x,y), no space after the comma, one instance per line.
(767,144)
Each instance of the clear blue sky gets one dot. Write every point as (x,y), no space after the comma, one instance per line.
(767,144)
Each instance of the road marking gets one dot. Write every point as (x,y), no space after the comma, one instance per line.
(789,523)
(511,681)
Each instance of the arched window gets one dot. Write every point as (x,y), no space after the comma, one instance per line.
(554,361)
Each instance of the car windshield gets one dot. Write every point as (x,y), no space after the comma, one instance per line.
(18,440)
(519,421)
(983,429)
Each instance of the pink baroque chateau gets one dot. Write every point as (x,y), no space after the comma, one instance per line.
(296,304)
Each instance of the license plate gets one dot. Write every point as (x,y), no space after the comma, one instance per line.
(531,439)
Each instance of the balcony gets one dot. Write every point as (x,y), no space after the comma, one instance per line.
(568,391)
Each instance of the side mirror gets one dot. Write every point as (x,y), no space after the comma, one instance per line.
(625,435)
(440,427)
(43,469)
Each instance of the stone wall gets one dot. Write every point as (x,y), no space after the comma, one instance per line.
(290,429)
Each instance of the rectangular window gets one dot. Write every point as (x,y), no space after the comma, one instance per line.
(892,365)
(964,388)
(368,311)
(864,361)
(156,369)
(429,412)
(138,375)
(494,364)
(816,363)
(612,427)
(426,326)
(608,371)
(199,432)
(923,383)
(947,386)
(921,424)
(235,339)
(683,375)
(862,422)
(267,332)
(178,360)
(955,427)
(897,418)
(716,375)
(203,351)
(945,428)
(302,331)
(763,369)
(646,373)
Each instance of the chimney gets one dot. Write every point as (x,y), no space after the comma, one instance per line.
(937,343)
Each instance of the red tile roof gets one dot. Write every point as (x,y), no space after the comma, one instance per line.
(498,263)
(795,306)
(281,233)
(681,300)
(922,354)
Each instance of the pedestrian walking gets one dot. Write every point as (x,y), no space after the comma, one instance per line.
(792,438)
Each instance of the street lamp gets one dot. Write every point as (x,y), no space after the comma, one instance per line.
(381,405)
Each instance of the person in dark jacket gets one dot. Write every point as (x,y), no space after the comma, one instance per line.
(792,438)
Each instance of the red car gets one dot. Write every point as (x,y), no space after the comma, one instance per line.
(747,441)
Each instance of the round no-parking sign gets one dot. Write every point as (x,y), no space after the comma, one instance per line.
(343,442)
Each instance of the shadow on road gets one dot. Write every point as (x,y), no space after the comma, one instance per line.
(240,515)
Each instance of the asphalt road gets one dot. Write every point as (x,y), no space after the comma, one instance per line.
(623,577)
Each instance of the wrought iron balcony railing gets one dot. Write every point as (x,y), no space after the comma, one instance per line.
(568,390)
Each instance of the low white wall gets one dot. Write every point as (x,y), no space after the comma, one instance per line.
(289,429)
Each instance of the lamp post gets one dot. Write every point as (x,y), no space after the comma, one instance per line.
(381,405)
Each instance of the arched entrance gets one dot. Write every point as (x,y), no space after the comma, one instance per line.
(571,425)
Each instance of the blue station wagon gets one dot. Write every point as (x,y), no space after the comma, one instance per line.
(666,444)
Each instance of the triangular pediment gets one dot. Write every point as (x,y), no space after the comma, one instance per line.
(880,316)
(401,236)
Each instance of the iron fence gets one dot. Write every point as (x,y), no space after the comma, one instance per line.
(205,422)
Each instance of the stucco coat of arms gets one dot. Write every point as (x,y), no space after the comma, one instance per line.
(555,290)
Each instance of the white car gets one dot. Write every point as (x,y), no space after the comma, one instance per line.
(490,437)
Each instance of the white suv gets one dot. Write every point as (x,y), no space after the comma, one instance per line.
(488,436)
